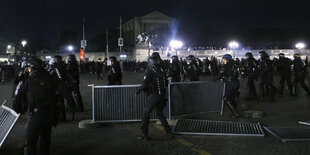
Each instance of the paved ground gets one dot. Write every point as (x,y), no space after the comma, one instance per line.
(121,138)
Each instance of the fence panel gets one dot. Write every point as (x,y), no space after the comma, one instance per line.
(196,97)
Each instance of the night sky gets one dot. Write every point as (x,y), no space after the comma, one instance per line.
(255,23)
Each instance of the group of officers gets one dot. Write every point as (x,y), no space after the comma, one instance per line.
(157,75)
(41,88)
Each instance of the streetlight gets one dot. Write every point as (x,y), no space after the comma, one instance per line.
(9,47)
(300,45)
(70,48)
(175,44)
(233,45)
(24,42)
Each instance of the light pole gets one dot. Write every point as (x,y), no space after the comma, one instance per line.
(233,45)
(24,43)
(175,44)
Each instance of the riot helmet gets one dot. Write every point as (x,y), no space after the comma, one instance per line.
(190,59)
(153,62)
(263,55)
(297,56)
(248,55)
(35,63)
(281,55)
(55,60)
(174,58)
(71,59)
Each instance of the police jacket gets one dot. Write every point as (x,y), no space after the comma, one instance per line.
(39,91)
(193,71)
(155,81)
(284,66)
(73,74)
(115,73)
(228,72)
(299,67)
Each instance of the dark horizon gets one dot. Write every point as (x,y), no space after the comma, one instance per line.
(258,23)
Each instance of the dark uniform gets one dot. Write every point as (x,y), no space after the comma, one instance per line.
(250,71)
(175,70)
(229,74)
(266,75)
(73,76)
(41,102)
(284,69)
(57,68)
(300,71)
(155,84)
(115,72)
(192,70)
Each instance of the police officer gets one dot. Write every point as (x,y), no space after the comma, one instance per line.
(155,84)
(192,70)
(229,74)
(283,66)
(41,104)
(266,76)
(114,73)
(300,71)
(175,69)
(57,69)
(250,70)
(73,78)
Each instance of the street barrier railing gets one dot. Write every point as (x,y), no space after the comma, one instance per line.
(8,118)
(119,103)
(196,97)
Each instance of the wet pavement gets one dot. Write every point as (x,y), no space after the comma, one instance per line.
(116,139)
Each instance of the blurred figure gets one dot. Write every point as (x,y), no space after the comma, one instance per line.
(175,69)
(114,73)
(229,75)
(300,71)
(73,75)
(250,71)
(283,66)
(192,70)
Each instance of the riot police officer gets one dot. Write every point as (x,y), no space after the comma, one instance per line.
(283,66)
(266,76)
(192,70)
(229,74)
(73,78)
(41,104)
(155,84)
(57,68)
(114,73)
(300,71)
(250,71)
(175,69)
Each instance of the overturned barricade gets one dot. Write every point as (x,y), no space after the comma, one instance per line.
(8,118)
(120,103)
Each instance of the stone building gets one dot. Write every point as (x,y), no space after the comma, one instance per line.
(155,23)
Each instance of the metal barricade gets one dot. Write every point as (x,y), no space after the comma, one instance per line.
(119,103)
(8,118)
(196,97)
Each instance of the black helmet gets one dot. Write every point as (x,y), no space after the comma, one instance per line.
(190,57)
(71,58)
(35,63)
(281,55)
(249,55)
(113,58)
(175,58)
(55,60)
(263,55)
(227,57)
(296,56)
(156,54)
(153,62)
